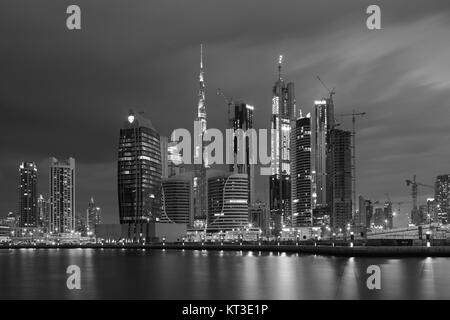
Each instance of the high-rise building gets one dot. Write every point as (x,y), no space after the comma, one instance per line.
(44,213)
(283,112)
(200,181)
(227,201)
(178,204)
(28,195)
(175,165)
(139,172)
(322,125)
(242,119)
(301,187)
(339,179)
(442,197)
(62,195)
(93,216)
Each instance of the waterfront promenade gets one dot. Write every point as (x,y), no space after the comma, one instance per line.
(340,249)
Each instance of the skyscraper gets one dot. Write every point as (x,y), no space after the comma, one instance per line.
(139,172)
(200,180)
(442,197)
(93,216)
(339,179)
(28,195)
(242,119)
(227,201)
(301,159)
(62,195)
(283,112)
(322,124)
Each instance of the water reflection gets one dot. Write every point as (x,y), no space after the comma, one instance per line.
(201,274)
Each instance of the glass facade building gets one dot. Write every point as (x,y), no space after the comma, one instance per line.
(139,171)
(28,210)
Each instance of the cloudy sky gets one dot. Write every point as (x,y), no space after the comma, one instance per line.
(65,93)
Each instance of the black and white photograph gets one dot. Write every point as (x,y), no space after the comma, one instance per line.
(226,154)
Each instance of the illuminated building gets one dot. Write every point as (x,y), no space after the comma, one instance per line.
(178,204)
(322,124)
(200,181)
(62,196)
(93,216)
(339,179)
(365,213)
(28,195)
(227,201)
(442,197)
(283,112)
(139,172)
(301,187)
(242,118)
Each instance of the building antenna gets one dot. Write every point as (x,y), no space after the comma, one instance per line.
(280,61)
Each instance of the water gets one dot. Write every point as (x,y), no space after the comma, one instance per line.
(139,274)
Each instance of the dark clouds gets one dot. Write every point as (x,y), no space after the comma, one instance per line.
(65,93)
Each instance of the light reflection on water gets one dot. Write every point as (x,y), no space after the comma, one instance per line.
(201,274)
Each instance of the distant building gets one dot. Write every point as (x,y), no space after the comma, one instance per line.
(365,214)
(339,179)
(28,210)
(379,217)
(227,201)
(442,197)
(62,195)
(388,215)
(139,172)
(93,216)
(44,213)
(283,112)
(178,199)
(301,181)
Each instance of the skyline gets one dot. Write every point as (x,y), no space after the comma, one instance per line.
(95,147)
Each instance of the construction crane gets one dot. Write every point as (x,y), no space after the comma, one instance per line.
(354,114)
(414,184)
(229,102)
(331,92)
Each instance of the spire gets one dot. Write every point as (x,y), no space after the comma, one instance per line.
(201,93)
(201,56)
(280,61)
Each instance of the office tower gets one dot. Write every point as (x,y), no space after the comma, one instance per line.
(178,196)
(93,216)
(200,180)
(44,213)
(322,125)
(28,195)
(227,201)
(259,216)
(442,197)
(283,112)
(242,118)
(164,146)
(62,195)
(139,172)
(301,159)
(339,179)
